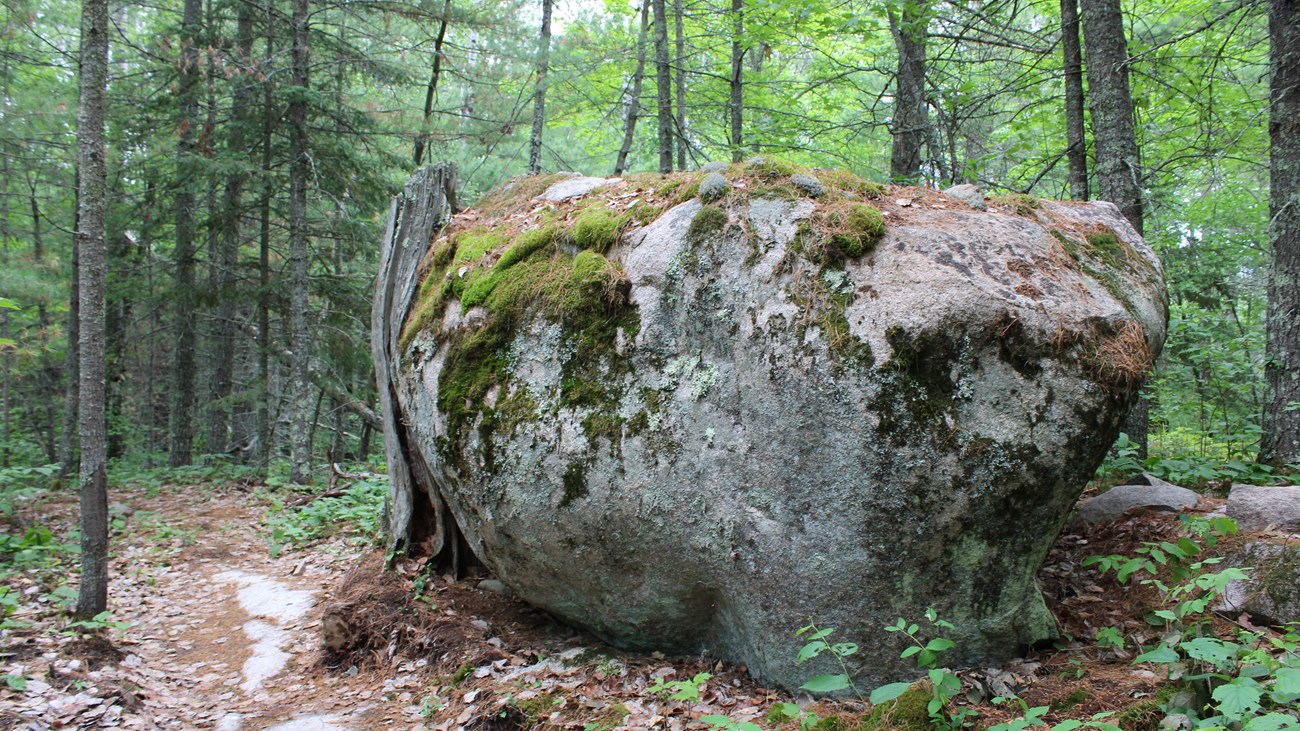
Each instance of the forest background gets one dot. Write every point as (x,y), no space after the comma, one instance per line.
(248,179)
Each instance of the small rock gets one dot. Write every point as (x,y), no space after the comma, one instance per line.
(713,187)
(969,194)
(231,722)
(1260,508)
(808,184)
(1117,501)
(496,587)
(1182,699)
(903,202)
(717,166)
(1175,722)
(120,510)
(481,624)
(1271,596)
(574,187)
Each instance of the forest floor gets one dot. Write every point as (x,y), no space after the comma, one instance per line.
(209,630)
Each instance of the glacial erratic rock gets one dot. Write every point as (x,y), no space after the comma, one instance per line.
(731,419)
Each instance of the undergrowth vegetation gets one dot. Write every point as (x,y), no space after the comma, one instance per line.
(352,513)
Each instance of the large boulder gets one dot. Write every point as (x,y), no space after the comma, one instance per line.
(715,424)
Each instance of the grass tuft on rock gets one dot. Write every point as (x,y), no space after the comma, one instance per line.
(598,229)
(707,221)
(855,230)
(908,712)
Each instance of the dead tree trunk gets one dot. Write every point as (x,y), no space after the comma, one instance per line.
(539,97)
(632,103)
(416,514)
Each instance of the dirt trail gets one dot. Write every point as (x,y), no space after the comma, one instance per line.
(221,635)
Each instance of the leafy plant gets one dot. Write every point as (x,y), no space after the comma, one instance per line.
(1109,637)
(354,513)
(101,621)
(944,684)
(35,546)
(724,723)
(1243,682)
(1034,717)
(816,646)
(687,691)
(783,712)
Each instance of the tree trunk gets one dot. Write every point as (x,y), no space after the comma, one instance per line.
(264,429)
(736,102)
(1281,443)
(1072,59)
(92,597)
(299,256)
(632,103)
(48,366)
(539,98)
(679,70)
(663,87)
(6,431)
(117,315)
(182,413)
(911,125)
(4,386)
(423,138)
(417,515)
(1111,103)
(243,115)
(71,407)
(1115,138)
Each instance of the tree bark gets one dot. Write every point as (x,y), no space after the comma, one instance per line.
(1072,59)
(182,413)
(423,138)
(243,115)
(264,430)
(6,432)
(539,98)
(679,81)
(1115,137)
(663,87)
(299,255)
(92,598)
(911,125)
(417,515)
(736,102)
(1281,442)
(48,366)
(632,103)
(1111,104)
(71,408)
